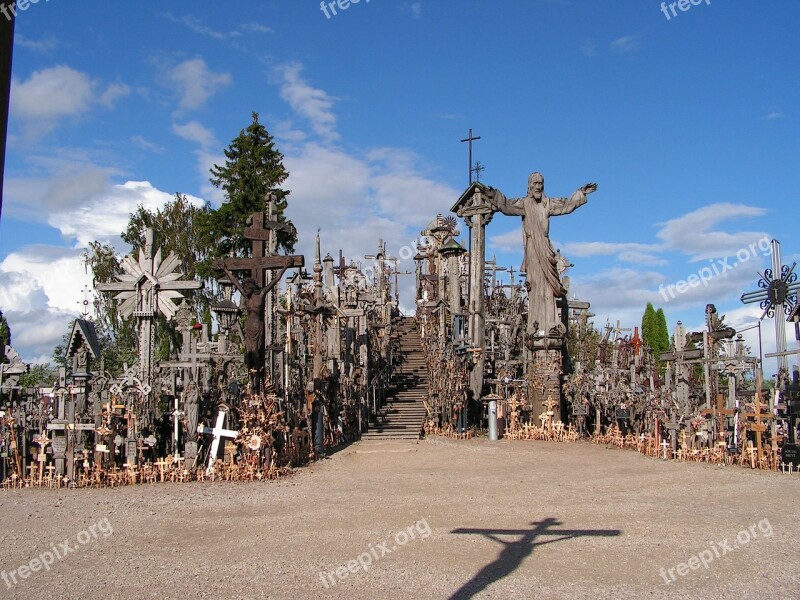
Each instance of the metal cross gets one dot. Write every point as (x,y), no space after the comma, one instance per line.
(777,296)
(470,139)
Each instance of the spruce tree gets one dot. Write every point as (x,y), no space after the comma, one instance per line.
(253,169)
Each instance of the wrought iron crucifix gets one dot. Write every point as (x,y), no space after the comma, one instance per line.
(778,297)
(470,138)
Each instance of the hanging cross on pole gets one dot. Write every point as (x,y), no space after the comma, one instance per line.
(470,139)
(777,296)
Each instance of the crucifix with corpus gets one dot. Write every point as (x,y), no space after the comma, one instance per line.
(255,290)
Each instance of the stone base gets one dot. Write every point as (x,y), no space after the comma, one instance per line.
(189,453)
(544,374)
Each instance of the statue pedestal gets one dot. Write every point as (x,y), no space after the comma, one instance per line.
(544,373)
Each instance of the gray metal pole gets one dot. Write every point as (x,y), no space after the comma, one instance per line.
(492,420)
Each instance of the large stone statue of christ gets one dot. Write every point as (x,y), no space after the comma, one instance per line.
(540,261)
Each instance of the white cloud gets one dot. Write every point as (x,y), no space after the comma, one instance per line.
(35,198)
(40,291)
(197,26)
(625,252)
(195,132)
(196,83)
(42,46)
(694,233)
(625,44)
(143,144)
(510,241)
(194,24)
(51,93)
(47,273)
(83,204)
(104,216)
(114,92)
(256,28)
(774,115)
(55,93)
(309,102)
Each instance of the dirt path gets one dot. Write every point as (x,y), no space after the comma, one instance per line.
(438,519)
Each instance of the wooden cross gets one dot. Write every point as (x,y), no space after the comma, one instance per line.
(259,233)
(162,463)
(149,284)
(147,287)
(131,472)
(718,414)
(218,432)
(758,426)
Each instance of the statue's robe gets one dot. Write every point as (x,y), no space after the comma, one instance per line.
(540,262)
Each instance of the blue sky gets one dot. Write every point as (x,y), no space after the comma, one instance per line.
(688,124)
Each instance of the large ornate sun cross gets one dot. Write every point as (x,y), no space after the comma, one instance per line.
(148,286)
(777,296)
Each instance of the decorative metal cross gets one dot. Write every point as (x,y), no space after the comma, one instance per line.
(777,296)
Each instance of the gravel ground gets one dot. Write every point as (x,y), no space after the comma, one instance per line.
(437,519)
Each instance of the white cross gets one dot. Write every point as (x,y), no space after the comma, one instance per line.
(664,445)
(218,432)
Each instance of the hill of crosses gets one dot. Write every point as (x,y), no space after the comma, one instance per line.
(216,353)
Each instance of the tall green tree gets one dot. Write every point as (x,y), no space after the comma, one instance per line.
(649,326)
(662,332)
(253,169)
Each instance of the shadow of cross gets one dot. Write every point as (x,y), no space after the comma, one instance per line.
(513,553)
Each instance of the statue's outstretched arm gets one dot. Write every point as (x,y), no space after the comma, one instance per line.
(564,206)
(514,207)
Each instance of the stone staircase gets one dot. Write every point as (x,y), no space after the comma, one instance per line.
(404,412)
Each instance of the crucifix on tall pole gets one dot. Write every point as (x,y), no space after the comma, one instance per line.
(471,139)
(777,296)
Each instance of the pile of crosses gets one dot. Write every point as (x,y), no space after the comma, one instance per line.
(621,387)
(549,429)
(208,412)
(709,406)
